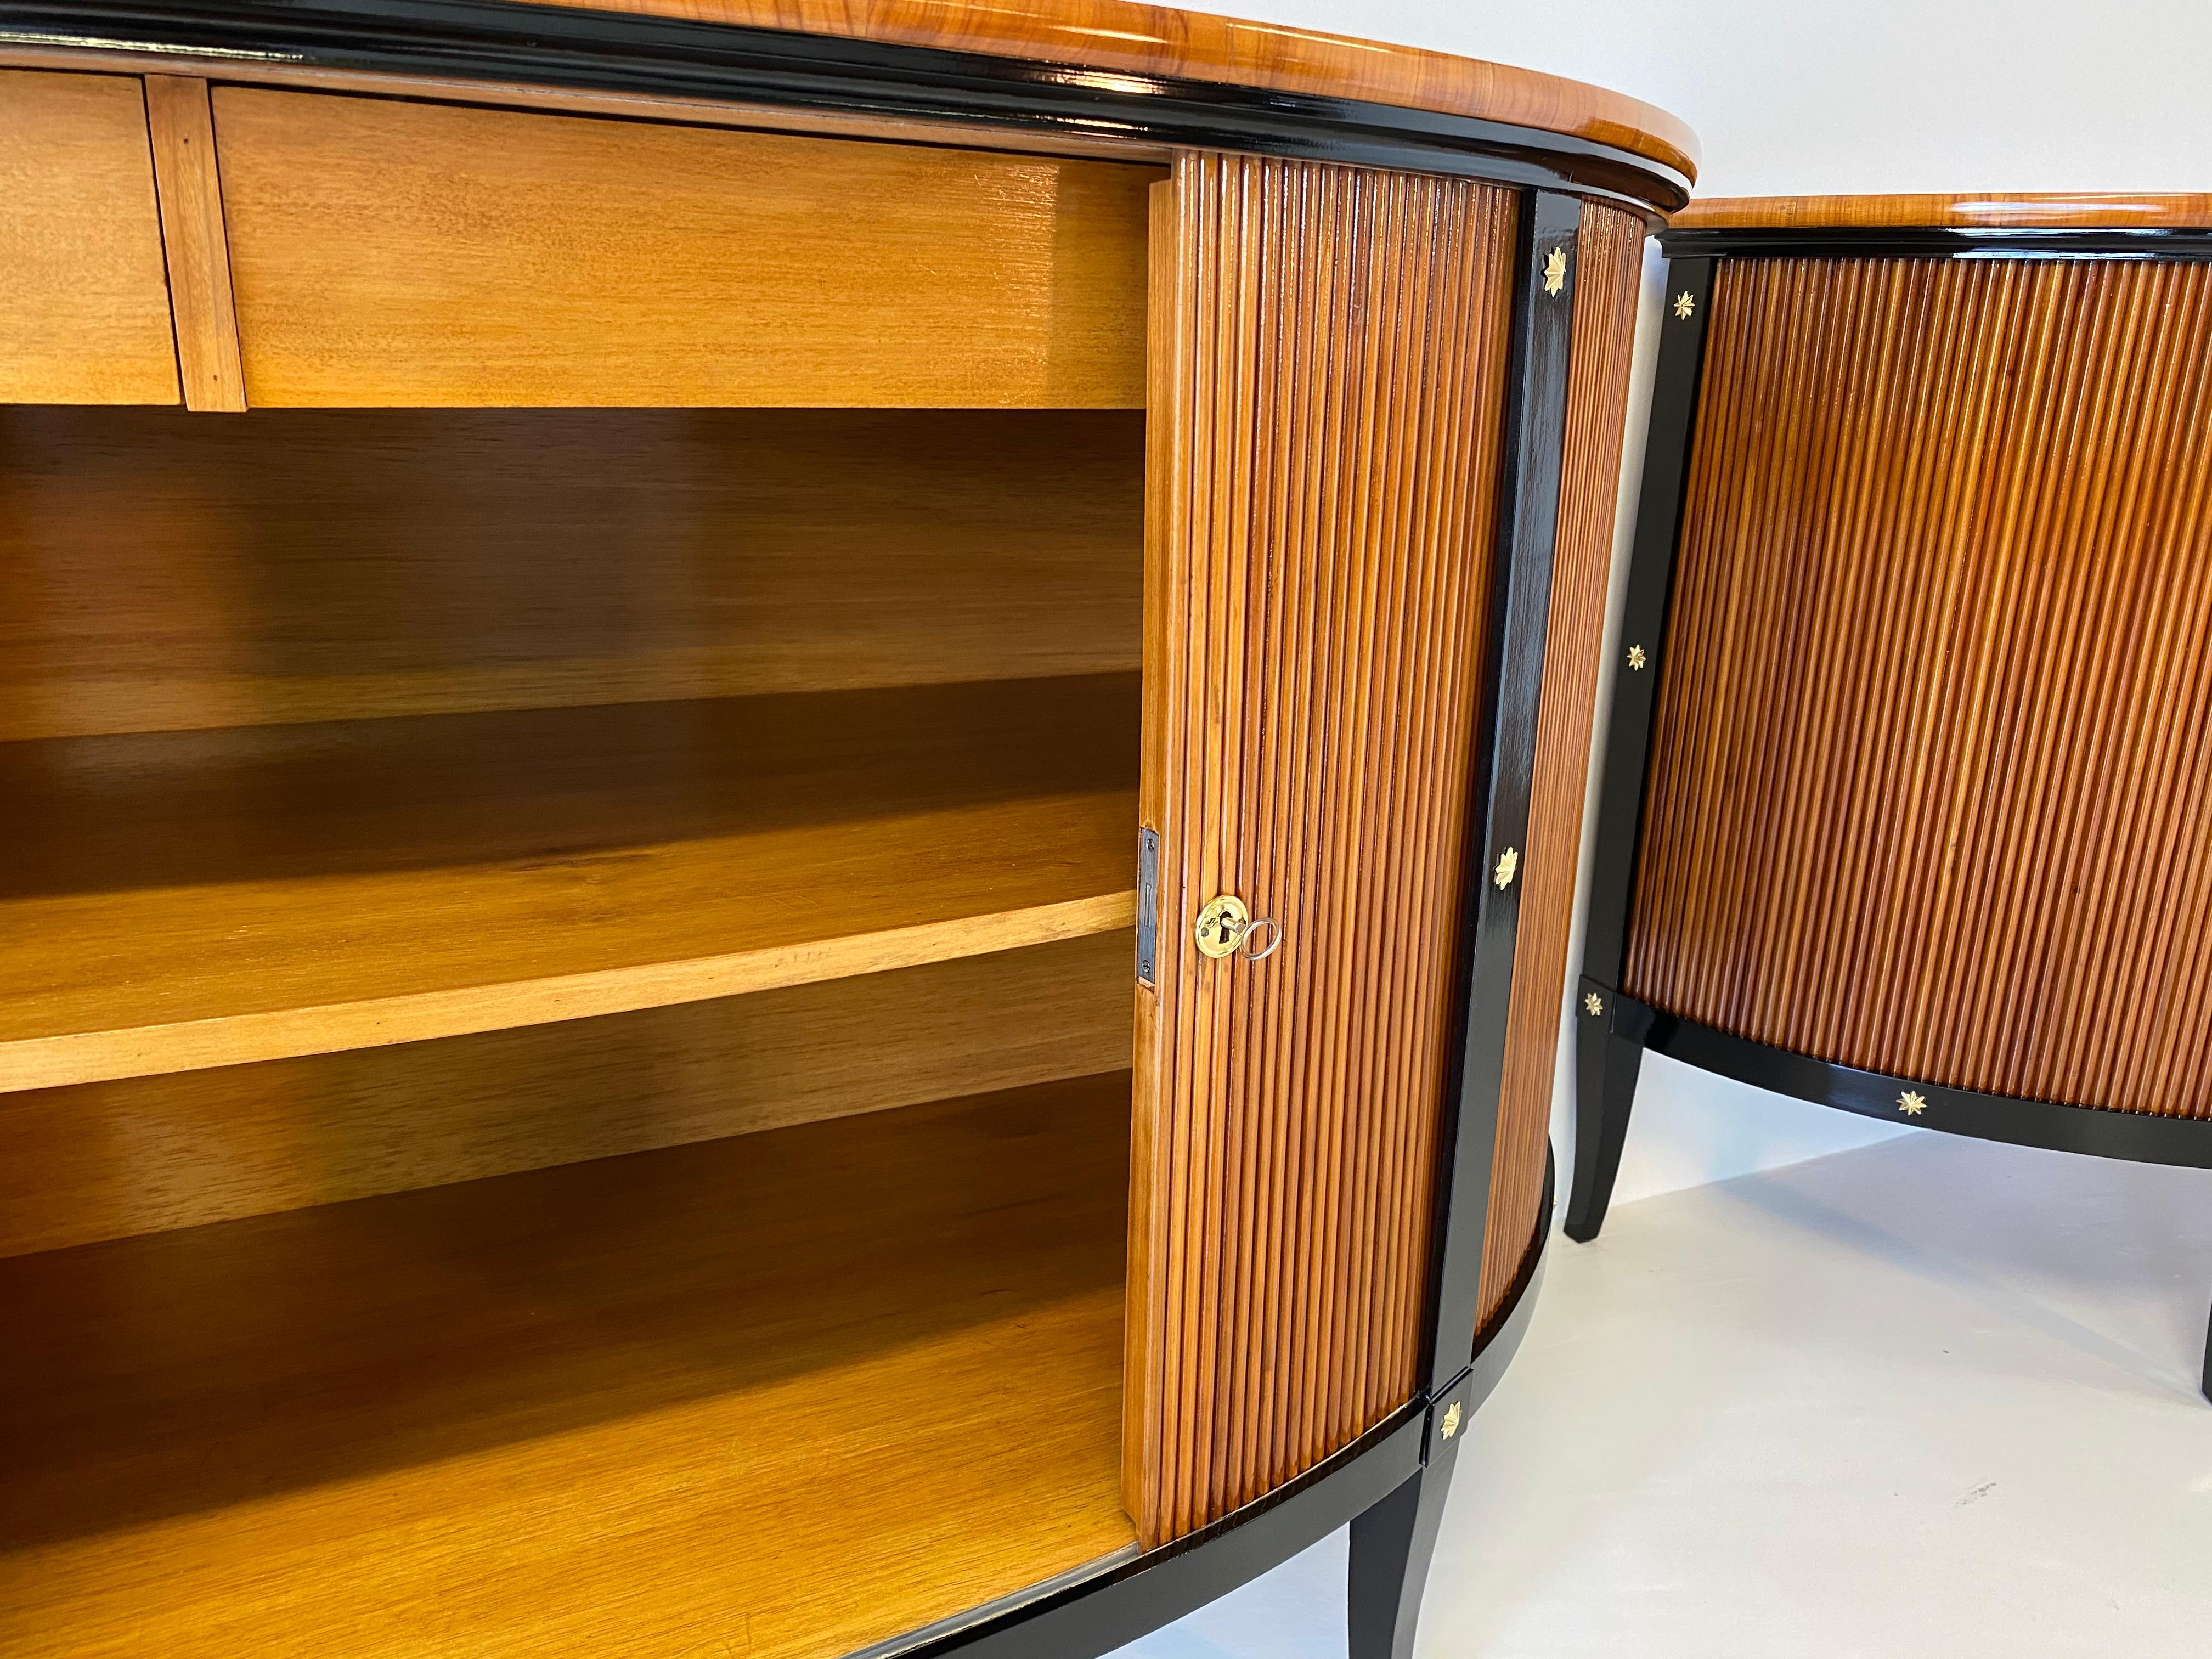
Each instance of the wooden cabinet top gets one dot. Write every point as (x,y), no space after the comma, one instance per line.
(1122,36)
(1966,211)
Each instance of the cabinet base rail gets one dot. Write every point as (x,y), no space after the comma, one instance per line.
(1389,1485)
(1611,1043)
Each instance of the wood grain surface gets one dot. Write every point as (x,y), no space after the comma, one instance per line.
(1119,34)
(1609,269)
(108,1160)
(1931,776)
(182,129)
(181,899)
(449,560)
(1987,209)
(1329,367)
(86,317)
(780,1396)
(389,253)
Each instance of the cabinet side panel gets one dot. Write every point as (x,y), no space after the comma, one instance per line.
(1329,349)
(1931,771)
(85,318)
(1608,267)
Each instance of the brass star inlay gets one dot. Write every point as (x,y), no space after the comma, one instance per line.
(1591,1005)
(1508,862)
(1636,658)
(1451,1420)
(1555,272)
(1685,304)
(1911,1103)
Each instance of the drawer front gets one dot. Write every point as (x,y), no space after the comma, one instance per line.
(85,319)
(392,254)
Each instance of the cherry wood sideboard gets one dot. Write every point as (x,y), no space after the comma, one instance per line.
(791,796)
(1904,806)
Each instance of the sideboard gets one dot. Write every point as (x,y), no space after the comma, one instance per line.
(1905,796)
(792,793)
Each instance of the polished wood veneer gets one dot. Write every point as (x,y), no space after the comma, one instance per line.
(1324,471)
(389,253)
(1960,210)
(1931,776)
(1119,34)
(1608,269)
(783,1395)
(86,317)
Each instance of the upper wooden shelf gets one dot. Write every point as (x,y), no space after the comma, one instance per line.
(1988,211)
(185,899)
(784,1396)
(1119,35)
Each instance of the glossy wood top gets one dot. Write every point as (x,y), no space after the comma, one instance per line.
(1987,210)
(1119,35)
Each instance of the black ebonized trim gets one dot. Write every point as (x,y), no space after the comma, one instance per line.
(615,51)
(1542,342)
(1126,1600)
(2141,1136)
(1893,242)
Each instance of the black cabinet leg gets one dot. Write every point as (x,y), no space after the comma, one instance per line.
(1391,1546)
(2208,1362)
(1606,1067)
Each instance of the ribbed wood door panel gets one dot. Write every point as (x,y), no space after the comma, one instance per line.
(1328,354)
(1931,778)
(1608,266)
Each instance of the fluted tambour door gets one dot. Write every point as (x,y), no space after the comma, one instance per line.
(1329,355)
(1930,788)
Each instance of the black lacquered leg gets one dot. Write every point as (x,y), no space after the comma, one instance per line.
(2208,1362)
(1391,1547)
(1606,1068)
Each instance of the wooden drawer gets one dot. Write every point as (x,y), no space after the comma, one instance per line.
(85,319)
(391,253)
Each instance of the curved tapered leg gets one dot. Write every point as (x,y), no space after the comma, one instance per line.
(2208,1362)
(1391,1546)
(1606,1068)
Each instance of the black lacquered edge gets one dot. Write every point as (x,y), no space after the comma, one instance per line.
(1660,501)
(2137,1136)
(616,52)
(1891,242)
(1504,764)
(1128,1599)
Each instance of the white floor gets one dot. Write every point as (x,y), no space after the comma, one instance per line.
(1929,1399)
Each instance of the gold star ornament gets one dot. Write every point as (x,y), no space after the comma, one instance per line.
(1451,1420)
(1686,305)
(1911,1103)
(1592,1005)
(1636,658)
(1555,272)
(1508,862)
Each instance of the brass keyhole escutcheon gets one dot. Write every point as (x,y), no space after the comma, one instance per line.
(1226,927)
(1221,926)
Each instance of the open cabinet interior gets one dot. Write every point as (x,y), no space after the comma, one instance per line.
(565,1017)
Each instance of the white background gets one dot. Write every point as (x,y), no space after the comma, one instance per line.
(1811,97)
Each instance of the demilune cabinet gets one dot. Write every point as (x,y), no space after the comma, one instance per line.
(789,807)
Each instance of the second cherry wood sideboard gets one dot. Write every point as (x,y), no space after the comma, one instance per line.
(791,797)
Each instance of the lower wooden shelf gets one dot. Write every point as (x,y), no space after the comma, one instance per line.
(783,1394)
(184,899)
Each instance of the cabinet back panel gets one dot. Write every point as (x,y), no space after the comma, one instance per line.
(85,318)
(108,1160)
(389,253)
(162,571)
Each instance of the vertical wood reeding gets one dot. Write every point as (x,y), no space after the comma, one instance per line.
(1932,763)
(1328,359)
(1608,267)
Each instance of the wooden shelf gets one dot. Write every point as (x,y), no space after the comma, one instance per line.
(783,1394)
(185,899)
